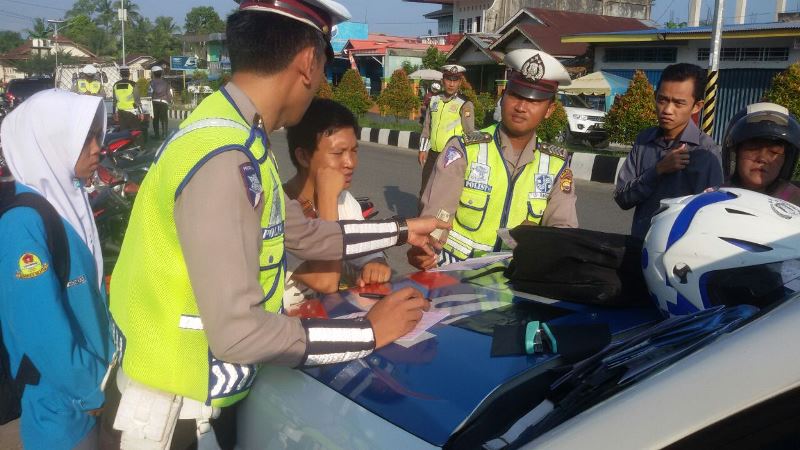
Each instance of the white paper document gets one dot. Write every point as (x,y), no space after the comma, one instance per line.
(429,319)
(474,263)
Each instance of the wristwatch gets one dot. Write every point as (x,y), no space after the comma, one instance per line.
(402,230)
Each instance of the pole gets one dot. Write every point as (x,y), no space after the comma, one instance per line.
(710,106)
(123,16)
(55,38)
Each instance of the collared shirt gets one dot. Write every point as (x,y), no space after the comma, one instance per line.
(447,181)
(160,90)
(640,186)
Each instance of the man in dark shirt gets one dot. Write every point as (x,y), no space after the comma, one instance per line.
(674,159)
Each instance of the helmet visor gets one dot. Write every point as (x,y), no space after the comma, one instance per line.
(759,285)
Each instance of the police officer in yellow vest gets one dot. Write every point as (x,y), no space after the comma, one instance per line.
(126,102)
(501,176)
(198,286)
(449,114)
(87,84)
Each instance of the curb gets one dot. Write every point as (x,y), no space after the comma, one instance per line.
(585,166)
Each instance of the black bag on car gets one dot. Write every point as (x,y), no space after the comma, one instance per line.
(581,266)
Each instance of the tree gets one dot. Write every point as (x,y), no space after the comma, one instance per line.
(352,93)
(82,30)
(138,35)
(131,7)
(44,65)
(325,90)
(408,67)
(398,99)
(433,59)
(784,89)
(484,103)
(552,128)
(672,25)
(163,41)
(82,8)
(10,40)
(203,20)
(106,15)
(632,112)
(39,29)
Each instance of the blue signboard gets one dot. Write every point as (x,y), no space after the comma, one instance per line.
(183,63)
(345,31)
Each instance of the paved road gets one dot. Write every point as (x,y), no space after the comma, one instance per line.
(391,177)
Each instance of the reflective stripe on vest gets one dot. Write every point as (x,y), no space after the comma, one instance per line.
(491,199)
(124,96)
(154,304)
(445,121)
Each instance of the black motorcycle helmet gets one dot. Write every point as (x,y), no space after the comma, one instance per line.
(761,121)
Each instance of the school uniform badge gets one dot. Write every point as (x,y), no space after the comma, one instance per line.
(252,183)
(30,266)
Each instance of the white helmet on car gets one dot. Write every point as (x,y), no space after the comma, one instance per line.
(731,246)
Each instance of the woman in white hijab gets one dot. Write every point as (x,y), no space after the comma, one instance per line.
(62,332)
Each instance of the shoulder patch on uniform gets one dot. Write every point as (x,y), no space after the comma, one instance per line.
(477,137)
(554,150)
(452,154)
(565,181)
(30,266)
(252,183)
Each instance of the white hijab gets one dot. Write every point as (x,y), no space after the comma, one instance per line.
(42,140)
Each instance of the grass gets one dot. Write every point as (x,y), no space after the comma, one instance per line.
(374,121)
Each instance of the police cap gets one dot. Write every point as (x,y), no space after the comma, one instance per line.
(535,74)
(322,15)
(452,71)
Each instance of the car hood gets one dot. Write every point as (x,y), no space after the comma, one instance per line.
(584,111)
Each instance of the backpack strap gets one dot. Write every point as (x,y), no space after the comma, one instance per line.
(57,243)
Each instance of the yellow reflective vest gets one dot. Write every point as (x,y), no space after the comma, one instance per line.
(445,120)
(154,307)
(124,95)
(492,199)
(92,87)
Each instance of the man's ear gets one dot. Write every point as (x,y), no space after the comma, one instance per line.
(698,106)
(303,158)
(550,109)
(307,62)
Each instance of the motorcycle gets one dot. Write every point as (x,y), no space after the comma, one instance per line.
(367,208)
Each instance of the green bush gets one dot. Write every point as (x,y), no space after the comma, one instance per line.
(325,90)
(552,129)
(785,88)
(398,99)
(484,104)
(143,86)
(632,112)
(352,93)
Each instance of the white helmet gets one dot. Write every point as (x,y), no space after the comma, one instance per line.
(89,70)
(731,246)
(436,87)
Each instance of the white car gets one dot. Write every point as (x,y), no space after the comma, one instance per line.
(730,380)
(585,123)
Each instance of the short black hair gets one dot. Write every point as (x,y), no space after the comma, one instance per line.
(683,72)
(266,43)
(322,118)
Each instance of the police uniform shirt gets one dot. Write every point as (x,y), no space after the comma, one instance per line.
(224,267)
(467,115)
(447,181)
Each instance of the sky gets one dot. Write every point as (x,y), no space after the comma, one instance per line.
(383,16)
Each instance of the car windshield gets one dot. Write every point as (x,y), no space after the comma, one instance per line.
(26,88)
(573,101)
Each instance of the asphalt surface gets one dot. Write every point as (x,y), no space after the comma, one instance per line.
(390,177)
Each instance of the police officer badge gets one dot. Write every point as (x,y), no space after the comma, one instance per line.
(479,177)
(544,182)
(533,69)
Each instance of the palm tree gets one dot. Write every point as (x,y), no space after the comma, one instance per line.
(131,7)
(106,14)
(166,25)
(39,30)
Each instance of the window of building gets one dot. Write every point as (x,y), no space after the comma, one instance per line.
(641,54)
(461,26)
(469,26)
(478,24)
(747,54)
